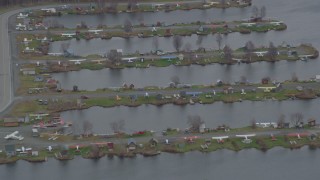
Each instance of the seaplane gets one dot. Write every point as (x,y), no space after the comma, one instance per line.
(38,116)
(304,57)
(14,136)
(220,139)
(21,27)
(26,40)
(55,54)
(23,150)
(22,16)
(248,24)
(129,59)
(70,35)
(261,53)
(77,61)
(49,148)
(277,23)
(246,139)
(265,125)
(267,89)
(49,10)
(95,31)
(98,61)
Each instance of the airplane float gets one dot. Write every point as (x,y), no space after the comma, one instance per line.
(70,35)
(261,53)
(14,136)
(267,89)
(77,61)
(95,31)
(246,139)
(265,125)
(22,16)
(220,139)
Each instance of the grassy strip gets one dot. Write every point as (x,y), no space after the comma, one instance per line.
(262,143)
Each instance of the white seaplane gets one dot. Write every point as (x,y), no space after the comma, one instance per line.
(95,31)
(261,53)
(70,35)
(268,124)
(14,136)
(246,139)
(267,89)
(77,61)
(22,16)
(38,116)
(220,139)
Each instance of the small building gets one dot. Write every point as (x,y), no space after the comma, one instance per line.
(311,122)
(202,128)
(132,144)
(10,150)
(265,80)
(35,132)
(10,122)
(181,57)
(153,142)
(35,153)
(28,71)
(110,145)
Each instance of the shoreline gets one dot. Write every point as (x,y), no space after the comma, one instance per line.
(261,143)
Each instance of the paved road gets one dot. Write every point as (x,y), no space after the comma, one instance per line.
(5,64)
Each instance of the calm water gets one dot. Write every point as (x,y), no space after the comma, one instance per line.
(296,14)
(149,117)
(250,164)
(149,18)
(194,74)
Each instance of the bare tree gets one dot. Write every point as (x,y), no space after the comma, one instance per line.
(294,77)
(187,47)
(155,43)
(100,4)
(132,5)
(296,119)
(249,48)
(223,2)
(255,11)
(272,52)
(114,56)
(113,5)
(253,123)
(227,53)
(95,151)
(83,25)
(263,12)
(195,122)
(117,126)
(177,42)
(127,26)
(281,120)
(175,80)
(219,40)
(87,127)
(199,41)
(64,47)
(243,79)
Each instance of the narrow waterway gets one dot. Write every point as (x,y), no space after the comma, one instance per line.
(149,117)
(249,164)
